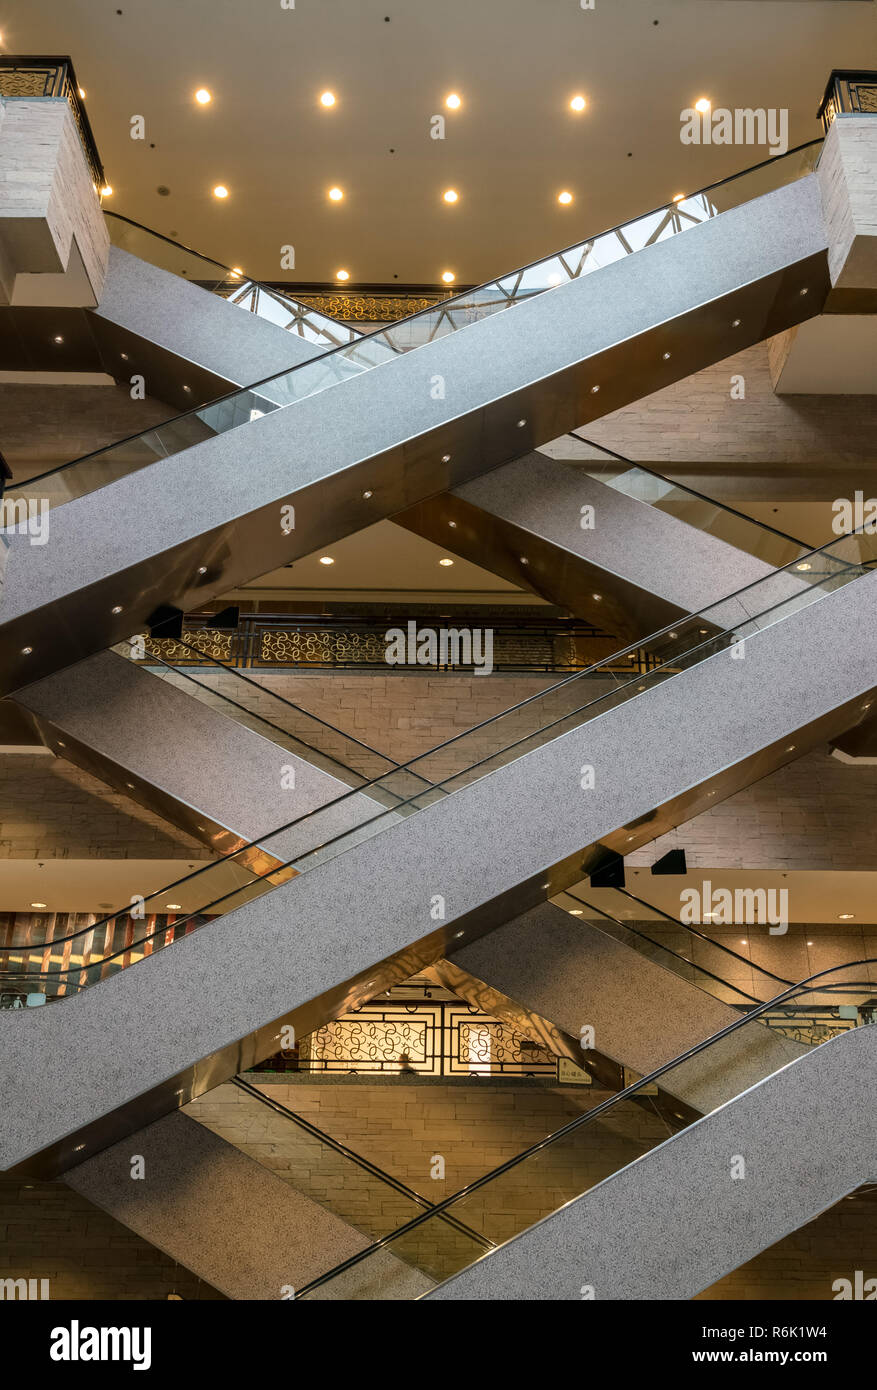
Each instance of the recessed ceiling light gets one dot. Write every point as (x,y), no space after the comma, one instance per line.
(202,96)
(236,271)
(107,190)
(448,276)
(26,651)
(81,91)
(578,103)
(446,458)
(327,99)
(453,525)
(326,560)
(174,907)
(58,338)
(805,290)
(678,197)
(368,493)
(791,748)
(220,191)
(598,597)
(702,104)
(342,274)
(575,912)
(666,356)
(202,569)
(117,609)
(450,195)
(805,565)
(336,194)
(845,916)
(453,102)
(735,323)
(564,197)
(38,904)
(521,424)
(187,389)
(445,561)
(594,390)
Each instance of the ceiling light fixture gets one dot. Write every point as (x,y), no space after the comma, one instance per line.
(107,191)
(236,271)
(565,197)
(450,195)
(368,493)
(220,191)
(202,96)
(117,609)
(57,338)
(81,91)
(327,99)
(174,907)
(703,104)
(26,651)
(453,101)
(38,904)
(805,565)
(445,561)
(578,103)
(342,274)
(336,194)
(326,560)
(678,197)
(446,458)
(845,916)
(448,276)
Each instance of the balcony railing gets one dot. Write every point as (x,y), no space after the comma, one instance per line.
(299,641)
(849,93)
(52,77)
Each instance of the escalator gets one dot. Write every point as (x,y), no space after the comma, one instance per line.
(484,390)
(507,820)
(606,1208)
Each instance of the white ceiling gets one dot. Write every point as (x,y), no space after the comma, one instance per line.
(509,150)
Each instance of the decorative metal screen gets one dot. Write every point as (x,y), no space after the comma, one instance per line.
(440,1038)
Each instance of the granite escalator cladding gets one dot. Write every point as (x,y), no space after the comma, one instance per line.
(614,317)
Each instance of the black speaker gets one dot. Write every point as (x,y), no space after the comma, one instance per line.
(229,617)
(610,874)
(166,622)
(673,862)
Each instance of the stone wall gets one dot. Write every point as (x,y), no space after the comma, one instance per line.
(47,1231)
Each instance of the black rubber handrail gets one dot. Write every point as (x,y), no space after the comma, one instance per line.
(806,985)
(444,306)
(359,1160)
(439,786)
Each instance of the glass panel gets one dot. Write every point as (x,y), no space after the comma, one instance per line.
(252,701)
(309,378)
(599,1143)
(704,513)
